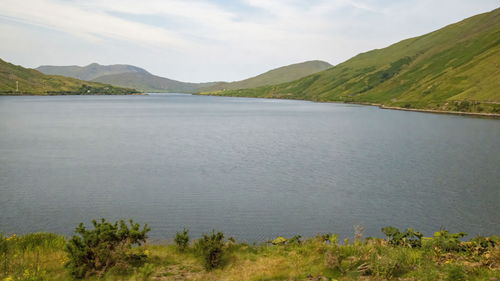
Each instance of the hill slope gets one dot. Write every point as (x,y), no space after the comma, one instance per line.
(124,75)
(31,81)
(455,68)
(90,71)
(276,76)
(151,83)
(138,78)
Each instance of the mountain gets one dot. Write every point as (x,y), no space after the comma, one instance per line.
(456,68)
(30,81)
(151,83)
(276,76)
(138,78)
(124,75)
(89,72)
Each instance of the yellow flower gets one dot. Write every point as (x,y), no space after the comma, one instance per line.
(13,236)
(8,278)
(146,252)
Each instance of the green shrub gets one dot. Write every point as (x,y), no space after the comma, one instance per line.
(408,238)
(97,250)
(211,249)
(280,240)
(447,241)
(145,272)
(394,262)
(295,240)
(479,245)
(182,240)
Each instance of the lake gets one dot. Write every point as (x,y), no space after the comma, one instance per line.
(252,168)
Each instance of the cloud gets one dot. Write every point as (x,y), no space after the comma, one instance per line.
(201,40)
(94,19)
(91,25)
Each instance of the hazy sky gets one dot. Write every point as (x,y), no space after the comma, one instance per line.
(208,40)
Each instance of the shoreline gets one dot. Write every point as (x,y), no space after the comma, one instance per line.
(481,114)
(381,106)
(55,94)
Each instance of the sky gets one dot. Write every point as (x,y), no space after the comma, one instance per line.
(214,40)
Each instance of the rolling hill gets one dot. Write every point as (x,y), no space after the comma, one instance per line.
(124,75)
(89,72)
(148,82)
(30,81)
(456,68)
(276,76)
(138,78)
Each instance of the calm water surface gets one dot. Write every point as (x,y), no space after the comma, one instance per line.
(253,168)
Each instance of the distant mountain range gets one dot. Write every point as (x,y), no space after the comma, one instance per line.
(17,80)
(138,78)
(89,72)
(456,68)
(124,76)
(148,82)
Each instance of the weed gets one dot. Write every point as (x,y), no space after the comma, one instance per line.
(182,240)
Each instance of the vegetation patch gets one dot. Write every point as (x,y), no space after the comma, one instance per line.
(116,251)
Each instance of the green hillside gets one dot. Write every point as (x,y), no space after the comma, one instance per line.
(455,68)
(123,75)
(31,81)
(90,71)
(138,78)
(148,82)
(276,76)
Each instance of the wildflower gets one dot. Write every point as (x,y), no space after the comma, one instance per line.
(12,237)
(8,278)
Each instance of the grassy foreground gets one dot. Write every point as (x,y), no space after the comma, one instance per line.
(42,256)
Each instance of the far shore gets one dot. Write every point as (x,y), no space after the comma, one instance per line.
(62,94)
(483,114)
(381,106)
(476,114)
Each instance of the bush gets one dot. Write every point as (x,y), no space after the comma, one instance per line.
(280,240)
(394,262)
(211,249)
(295,240)
(107,245)
(480,245)
(408,238)
(182,240)
(145,272)
(447,241)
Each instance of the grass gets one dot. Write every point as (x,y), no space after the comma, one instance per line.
(435,71)
(41,256)
(279,75)
(32,82)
